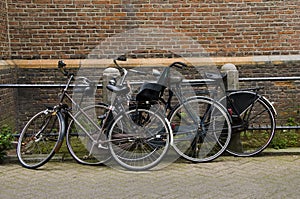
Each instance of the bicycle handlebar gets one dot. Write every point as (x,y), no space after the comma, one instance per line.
(62,66)
(179,65)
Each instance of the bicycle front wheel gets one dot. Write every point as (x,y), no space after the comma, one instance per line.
(87,135)
(258,127)
(201,129)
(39,139)
(139,139)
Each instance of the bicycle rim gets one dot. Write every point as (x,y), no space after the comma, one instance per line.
(86,141)
(139,139)
(258,133)
(201,129)
(39,139)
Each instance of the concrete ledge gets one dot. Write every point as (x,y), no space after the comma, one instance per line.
(5,64)
(103,63)
(287,151)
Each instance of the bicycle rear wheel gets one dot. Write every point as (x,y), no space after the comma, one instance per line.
(201,129)
(258,127)
(39,139)
(86,135)
(139,139)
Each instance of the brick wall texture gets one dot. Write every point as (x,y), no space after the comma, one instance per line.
(3,31)
(8,97)
(40,29)
(77,29)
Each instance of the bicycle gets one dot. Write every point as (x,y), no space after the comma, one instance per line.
(201,126)
(43,134)
(253,118)
(90,134)
(140,136)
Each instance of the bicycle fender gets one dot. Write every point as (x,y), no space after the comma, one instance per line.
(62,132)
(170,130)
(270,104)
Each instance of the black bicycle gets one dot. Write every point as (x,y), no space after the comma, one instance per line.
(201,126)
(253,118)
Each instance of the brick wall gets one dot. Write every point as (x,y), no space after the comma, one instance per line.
(34,99)
(4,50)
(31,100)
(54,29)
(8,96)
(284,94)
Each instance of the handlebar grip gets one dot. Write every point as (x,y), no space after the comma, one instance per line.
(179,65)
(121,58)
(61,64)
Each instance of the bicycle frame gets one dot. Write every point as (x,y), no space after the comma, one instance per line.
(117,105)
(64,109)
(238,106)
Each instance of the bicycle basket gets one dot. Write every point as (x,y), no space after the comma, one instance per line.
(150,92)
(85,89)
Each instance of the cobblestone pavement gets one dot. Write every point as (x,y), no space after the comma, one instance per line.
(266,176)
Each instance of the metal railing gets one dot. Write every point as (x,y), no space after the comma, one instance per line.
(194,82)
(294,78)
(39,85)
(269,79)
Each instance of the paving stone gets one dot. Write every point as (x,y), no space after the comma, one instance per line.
(266,176)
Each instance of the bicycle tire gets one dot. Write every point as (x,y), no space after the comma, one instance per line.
(83,144)
(139,139)
(259,131)
(40,138)
(201,129)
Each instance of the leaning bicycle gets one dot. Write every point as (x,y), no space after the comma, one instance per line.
(139,135)
(253,118)
(44,133)
(137,138)
(200,125)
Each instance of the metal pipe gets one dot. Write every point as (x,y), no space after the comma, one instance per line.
(41,85)
(192,82)
(269,79)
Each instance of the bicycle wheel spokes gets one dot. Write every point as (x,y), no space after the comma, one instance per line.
(204,138)
(139,139)
(258,132)
(39,139)
(86,135)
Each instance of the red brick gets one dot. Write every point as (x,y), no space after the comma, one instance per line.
(225,20)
